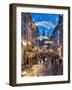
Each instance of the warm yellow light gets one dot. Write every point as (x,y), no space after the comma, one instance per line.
(29,43)
(35,48)
(24,43)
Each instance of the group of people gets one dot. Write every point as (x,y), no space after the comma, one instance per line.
(53,63)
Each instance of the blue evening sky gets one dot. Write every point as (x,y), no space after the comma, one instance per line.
(38,17)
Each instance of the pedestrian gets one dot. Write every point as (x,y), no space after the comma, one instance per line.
(44,59)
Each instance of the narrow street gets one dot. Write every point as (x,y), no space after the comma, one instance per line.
(44,69)
(41,44)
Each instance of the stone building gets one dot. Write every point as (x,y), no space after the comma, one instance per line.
(57,36)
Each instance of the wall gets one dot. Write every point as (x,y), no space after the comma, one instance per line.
(4,45)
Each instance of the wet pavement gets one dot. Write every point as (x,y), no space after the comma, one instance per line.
(44,69)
